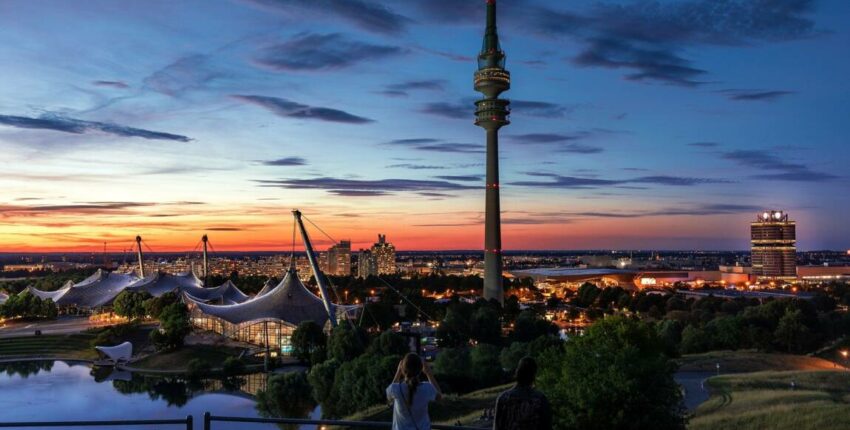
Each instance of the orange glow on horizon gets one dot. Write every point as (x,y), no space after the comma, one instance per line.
(404,233)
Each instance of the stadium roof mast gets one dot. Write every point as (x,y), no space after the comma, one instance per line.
(321,281)
(491,114)
(205,239)
(139,253)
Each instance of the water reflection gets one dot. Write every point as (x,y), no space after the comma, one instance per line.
(25,369)
(47,390)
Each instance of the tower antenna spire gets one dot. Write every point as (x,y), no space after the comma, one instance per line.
(491,114)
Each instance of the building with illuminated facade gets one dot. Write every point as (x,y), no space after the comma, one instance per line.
(267,319)
(338,259)
(384,254)
(774,246)
(366,264)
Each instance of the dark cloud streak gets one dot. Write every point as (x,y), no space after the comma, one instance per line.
(317,52)
(78,126)
(289,109)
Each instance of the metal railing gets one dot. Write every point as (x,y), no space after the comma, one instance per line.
(209,419)
(187,422)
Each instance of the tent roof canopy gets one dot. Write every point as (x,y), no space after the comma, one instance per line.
(97,290)
(117,353)
(290,301)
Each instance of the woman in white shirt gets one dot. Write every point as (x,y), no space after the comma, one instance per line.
(410,396)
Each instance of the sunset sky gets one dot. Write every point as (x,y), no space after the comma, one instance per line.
(635,125)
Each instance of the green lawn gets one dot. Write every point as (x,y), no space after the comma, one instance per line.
(750,361)
(452,408)
(177,360)
(765,400)
(61,346)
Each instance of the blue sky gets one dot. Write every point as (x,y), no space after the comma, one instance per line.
(636,124)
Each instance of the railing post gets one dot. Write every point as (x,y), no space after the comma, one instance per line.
(206,421)
(189,423)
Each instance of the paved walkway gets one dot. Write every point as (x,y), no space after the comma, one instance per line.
(62,325)
(693,385)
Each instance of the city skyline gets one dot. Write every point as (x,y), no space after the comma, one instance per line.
(636,125)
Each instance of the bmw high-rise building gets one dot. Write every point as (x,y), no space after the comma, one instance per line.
(774,246)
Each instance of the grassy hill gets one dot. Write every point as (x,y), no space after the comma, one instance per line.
(177,360)
(62,346)
(750,361)
(762,400)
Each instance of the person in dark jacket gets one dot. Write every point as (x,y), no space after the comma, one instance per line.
(522,407)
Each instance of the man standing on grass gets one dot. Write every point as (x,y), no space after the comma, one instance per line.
(522,407)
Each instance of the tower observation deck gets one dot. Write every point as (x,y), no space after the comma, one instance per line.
(491,114)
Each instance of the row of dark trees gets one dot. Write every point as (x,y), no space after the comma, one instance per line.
(699,325)
(619,375)
(28,306)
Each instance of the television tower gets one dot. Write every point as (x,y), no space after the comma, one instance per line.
(491,113)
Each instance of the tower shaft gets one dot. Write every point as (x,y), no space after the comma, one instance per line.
(492,223)
(491,114)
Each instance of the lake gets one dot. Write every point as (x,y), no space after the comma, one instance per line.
(68,391)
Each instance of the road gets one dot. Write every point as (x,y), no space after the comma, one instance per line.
(692,384)
(62,325)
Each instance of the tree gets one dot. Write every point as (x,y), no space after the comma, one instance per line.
(510,356)
(388,343)
(130,304)
(287,395)
(670,332)
(453,366)
(381,315)
(485,326)
(233,366)
(453,331)
(694,340)
(511,308)
(361,382)
(791,334)
(529,326)
(724,333)
(307,338)
(154,305)
(587,294)
(174,326)
(26,305)
(321,378)
(345,343)
(486,367)
(197,368)
(616,376)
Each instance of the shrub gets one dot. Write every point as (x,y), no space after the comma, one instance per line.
(307,338)
(233,366)
(197,368)
(287,395)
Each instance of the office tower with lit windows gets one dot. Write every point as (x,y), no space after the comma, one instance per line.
(366,264)
(491,114)
(339,259)
(774,246)
(383,253)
